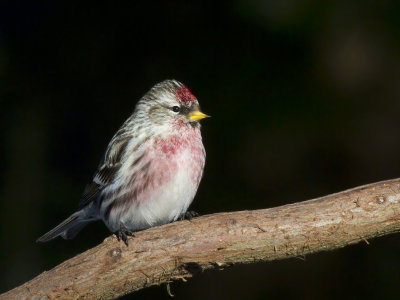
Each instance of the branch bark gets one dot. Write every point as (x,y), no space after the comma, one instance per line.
(178,250)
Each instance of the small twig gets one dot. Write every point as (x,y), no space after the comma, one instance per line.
(364,239)
(169,290)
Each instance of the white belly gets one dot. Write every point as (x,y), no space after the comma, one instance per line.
(166,203)
(166,199)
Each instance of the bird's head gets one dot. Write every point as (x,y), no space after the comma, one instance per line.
(171,103)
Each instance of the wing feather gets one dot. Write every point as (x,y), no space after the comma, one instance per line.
(107,170)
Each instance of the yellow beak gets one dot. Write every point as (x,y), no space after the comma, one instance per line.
(196,115)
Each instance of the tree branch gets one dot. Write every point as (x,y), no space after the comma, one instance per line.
(178,250)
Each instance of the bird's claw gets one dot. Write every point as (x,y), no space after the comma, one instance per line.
(190,214)
(123,233)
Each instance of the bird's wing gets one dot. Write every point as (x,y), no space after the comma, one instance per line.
(107,170)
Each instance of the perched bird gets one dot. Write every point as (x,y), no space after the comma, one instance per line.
(151,169)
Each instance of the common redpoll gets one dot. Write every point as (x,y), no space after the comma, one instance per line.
(151,169)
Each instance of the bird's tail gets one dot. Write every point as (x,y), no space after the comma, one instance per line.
(69,228)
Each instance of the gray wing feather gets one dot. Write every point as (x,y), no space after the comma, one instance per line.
(107,170)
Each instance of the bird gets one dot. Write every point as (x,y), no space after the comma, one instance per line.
(150,171)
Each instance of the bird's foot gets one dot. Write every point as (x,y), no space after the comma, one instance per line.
(190,214)
(123,233)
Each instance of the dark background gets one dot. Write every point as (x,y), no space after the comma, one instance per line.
(305,102)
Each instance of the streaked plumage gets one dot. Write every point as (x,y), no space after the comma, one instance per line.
(151,169)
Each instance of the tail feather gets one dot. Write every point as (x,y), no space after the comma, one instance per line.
(67,229)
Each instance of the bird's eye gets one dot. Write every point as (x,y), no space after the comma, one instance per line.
(176,108)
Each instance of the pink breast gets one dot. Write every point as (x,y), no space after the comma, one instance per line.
(181,152)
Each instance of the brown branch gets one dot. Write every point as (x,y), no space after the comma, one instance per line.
(176,251)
